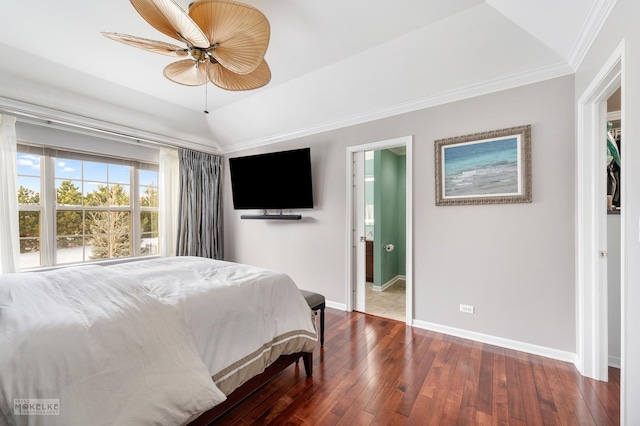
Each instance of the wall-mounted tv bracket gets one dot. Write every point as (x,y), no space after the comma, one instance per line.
(266,215)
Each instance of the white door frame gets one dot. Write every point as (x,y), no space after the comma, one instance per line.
(359,232)
(592,358)
(353,238)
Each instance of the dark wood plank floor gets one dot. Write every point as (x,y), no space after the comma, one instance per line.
(381,372)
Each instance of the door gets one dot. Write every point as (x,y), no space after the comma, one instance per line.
(359,230)
(356,268)
(591,233)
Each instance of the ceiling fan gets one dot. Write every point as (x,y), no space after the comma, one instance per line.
(226,41)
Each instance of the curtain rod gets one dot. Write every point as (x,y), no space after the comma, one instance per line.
(25,110)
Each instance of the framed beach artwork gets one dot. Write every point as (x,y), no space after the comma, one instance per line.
(484,168)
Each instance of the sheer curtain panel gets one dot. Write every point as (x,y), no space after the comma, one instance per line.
(200,205)
(169,182)
(9,229)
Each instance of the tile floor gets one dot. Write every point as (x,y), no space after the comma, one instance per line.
(389,303)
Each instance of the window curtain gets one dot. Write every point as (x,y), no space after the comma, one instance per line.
(9,228)
(200,205)
(169,182)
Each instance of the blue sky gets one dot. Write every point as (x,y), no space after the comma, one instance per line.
(29,164)
(65,169)
(148,177)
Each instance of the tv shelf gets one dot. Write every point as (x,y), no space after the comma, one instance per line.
(272,216)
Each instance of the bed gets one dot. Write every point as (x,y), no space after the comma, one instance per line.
(157,341)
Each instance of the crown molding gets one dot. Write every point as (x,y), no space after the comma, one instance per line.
(491,86)
(595,21)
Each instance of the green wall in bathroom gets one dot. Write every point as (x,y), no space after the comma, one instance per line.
(389,213)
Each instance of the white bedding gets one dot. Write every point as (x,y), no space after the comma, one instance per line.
(109,350)
(138,343)
(252,314)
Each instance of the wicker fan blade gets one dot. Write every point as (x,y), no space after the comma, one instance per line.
(186,73)
(241,31)
(169,18)
(150,45)
(225,79)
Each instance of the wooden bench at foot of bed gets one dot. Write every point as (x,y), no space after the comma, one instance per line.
(252,385)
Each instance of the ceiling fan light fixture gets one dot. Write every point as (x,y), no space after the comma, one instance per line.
(186,72)
(154,46)
(168,17)
(226,39)
(241,32)
(225,79)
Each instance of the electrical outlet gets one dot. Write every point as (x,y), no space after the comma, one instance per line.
(467,309)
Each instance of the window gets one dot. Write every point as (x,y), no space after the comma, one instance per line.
(30,209)
(149,211)
(97,208)
(93,210)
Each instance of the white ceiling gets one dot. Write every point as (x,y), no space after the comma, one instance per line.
(334,63)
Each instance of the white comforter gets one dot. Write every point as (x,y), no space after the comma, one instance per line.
(108,349)
(138,343)
(238,314)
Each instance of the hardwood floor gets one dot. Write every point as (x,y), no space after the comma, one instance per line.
(373,370)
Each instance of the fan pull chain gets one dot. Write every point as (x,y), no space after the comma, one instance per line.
(206,99)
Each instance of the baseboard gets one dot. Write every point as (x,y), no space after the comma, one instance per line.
(389,283)
(614,361)
(334,305)
(491,340)
(498,341)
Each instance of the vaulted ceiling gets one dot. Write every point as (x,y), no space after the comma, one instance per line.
(334,63)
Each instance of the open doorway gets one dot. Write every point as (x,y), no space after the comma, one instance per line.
(389,245)
(385,233)
(596,307)
(614,209)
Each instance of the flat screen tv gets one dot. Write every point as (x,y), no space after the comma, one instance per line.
(277,180)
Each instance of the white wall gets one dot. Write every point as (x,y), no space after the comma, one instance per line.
(88,142)
(622,24)
(44,87)
(514,263)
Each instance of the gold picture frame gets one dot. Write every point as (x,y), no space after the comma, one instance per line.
(484,168)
